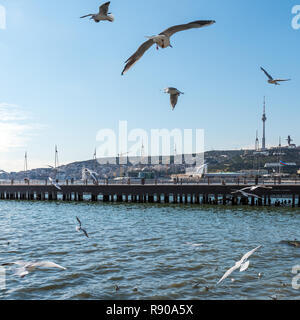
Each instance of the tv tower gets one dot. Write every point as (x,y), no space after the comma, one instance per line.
(56,165)
(264,119)
(26,163)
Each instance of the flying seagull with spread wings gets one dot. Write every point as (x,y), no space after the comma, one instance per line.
(54,183)
(246,194)
(25,267)
(253,188)
(271,80)
(103,14)
(174,94)
(79,228)
(243,264)
(92,174)
(163,40)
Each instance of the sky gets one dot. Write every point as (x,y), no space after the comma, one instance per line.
(60,76)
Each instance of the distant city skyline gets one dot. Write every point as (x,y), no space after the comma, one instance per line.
(61,75)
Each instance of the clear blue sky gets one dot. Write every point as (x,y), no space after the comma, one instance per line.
(61,76)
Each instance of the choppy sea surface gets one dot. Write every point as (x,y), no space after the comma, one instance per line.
(147,251)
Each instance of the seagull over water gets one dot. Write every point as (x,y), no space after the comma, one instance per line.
(271,80)
(243,264)
(174,94)
(26,267)
(163,40)
(103,14)
(79,228)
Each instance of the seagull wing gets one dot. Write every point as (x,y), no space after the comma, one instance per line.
(88,15)
(103,9)
(174,100)
(244,189)
(241,190)
(18,263)
(138,54)
(229,272)
(248,254)
(22,272)
(78,221)
(94,177)
(270,77)
(85,233)
(279,80)
(47,264)
(57,186)
(245,266)
(260,187)
(182,27)
(246,194)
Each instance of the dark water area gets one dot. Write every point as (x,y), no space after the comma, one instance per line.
(148,251)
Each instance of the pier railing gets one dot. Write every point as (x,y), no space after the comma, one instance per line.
(128,181)
(205,191)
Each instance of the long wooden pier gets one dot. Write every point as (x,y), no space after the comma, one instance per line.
(161,193)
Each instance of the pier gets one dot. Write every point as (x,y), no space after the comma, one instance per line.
(190,193)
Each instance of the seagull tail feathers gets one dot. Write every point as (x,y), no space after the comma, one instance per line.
(111,18)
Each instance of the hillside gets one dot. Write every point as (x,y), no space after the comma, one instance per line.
(218,161)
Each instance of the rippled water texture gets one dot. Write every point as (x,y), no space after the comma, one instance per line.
(143,249)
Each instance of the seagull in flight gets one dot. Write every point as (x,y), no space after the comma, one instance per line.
(163,40)
(174,94)
(253,188)
(79,228)
(25,267)
(243,264)
(55,184)
(103,14)
(271,80)
(92,174)
(246,194)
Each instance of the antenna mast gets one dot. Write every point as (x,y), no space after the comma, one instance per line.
(264,119)
(56,163)
(25,163)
